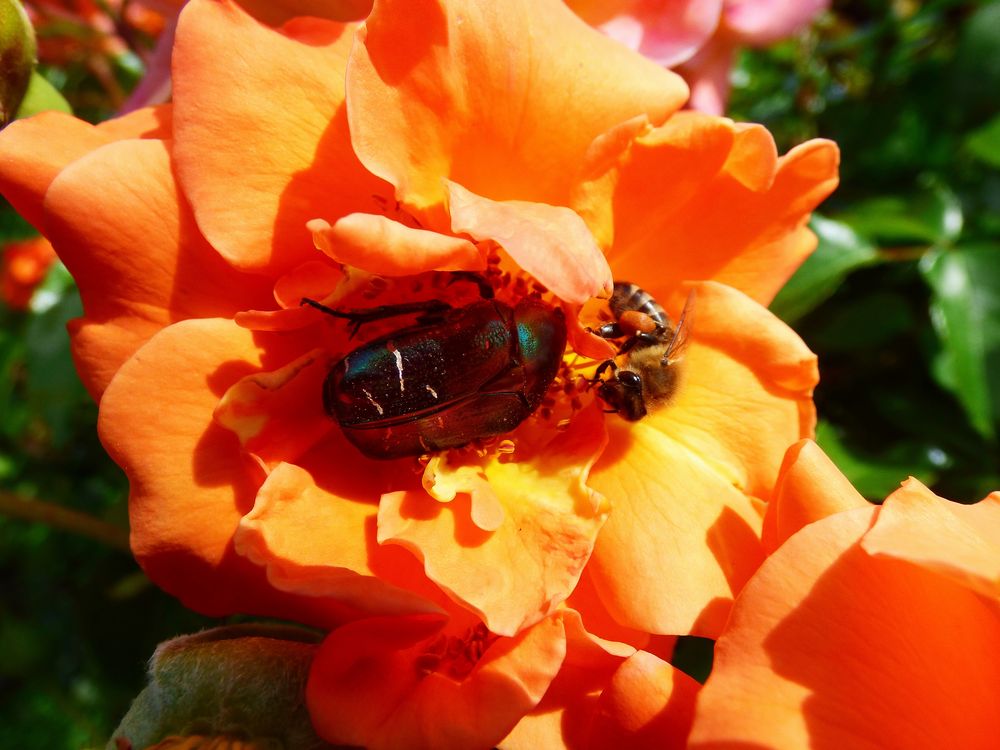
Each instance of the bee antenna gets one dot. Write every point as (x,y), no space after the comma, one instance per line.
(681,332)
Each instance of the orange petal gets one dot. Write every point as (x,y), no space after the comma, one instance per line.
(149,122)
(380,245)
(753,162)
(129,295)
(314,279)
(444,482)
(564,715)
(582,340)
(34,151)
(831,647)
(276,12)
(773,242)
(809,487)
(489,96)
(683,536)
(591,196)
(956,540)
(984,515)
(664,167)
(595,617)
(680,541)
(383,683)
(190,482)
(288,319)
(648,704)
(518,574)
(313,528)
(549,242)
(596,12)
(748,390)
(701,198)
(100,348)
(278,415)
(261,158)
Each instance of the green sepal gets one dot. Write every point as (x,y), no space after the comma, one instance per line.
(42,96)
(243,682)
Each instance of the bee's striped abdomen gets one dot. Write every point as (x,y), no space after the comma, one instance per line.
(631,297)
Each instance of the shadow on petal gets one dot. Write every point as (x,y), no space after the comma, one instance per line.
(333,185)
(394,61)
(735,543)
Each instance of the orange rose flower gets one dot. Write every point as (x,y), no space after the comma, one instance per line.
(375,682)
(352,164)
(23,266)
(607,695)
(866,627)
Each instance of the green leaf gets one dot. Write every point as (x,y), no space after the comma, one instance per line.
(21,648)
(984,143)
(42,96)
(977,62)
(877,475)
(693,656)
(932,215)
(53,389)
(863,322)
(840,251)
(13,226)
(965,311)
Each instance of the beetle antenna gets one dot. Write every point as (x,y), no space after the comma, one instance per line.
(321,307)
(358,318)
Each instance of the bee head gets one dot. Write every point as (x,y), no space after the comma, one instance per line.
(623,393)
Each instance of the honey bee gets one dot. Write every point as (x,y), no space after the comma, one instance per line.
(652,349)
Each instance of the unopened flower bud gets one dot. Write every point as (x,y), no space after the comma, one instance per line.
(17,57)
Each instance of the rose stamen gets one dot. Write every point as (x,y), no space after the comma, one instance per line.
(454,656)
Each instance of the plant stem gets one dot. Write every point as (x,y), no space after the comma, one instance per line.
(58,517)
(903,254)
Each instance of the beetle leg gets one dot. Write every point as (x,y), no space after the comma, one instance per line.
(431,308)
(485,288)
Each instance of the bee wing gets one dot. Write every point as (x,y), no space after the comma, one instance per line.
(679,341)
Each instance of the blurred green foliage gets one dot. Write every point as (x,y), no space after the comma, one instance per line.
(77,619)
(901,301)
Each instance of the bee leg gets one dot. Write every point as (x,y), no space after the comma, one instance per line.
(605,365)
(431,309)
(640,341)
(608,331)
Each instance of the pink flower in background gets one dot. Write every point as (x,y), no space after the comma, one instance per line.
(698,37)
(89,36)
